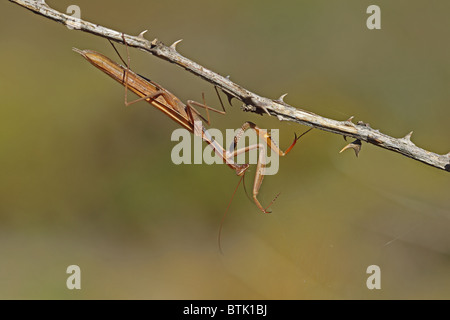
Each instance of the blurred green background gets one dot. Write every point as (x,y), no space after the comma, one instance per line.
(86,181)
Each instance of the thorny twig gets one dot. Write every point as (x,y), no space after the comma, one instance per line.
(252,102)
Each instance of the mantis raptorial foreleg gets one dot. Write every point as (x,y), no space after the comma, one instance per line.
(261,165)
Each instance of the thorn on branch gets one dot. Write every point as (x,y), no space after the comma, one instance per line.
(281,99)
(355,145)
(141,35)
(349,123)
(260,105)
(174,45)
(229,95)
(361,123)
(154,43)
(407,138)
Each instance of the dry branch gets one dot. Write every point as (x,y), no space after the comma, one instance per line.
(252,102)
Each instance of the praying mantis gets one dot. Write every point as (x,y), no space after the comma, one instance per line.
(187,116)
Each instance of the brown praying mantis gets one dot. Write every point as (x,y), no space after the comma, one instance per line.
(187,116)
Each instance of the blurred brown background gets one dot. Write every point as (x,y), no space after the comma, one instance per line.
(86,181)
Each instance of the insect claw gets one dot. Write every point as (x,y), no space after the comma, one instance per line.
(271,203)
(174,45)
(296,138)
